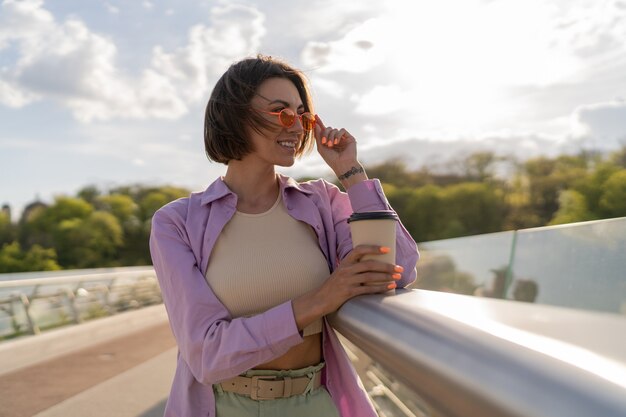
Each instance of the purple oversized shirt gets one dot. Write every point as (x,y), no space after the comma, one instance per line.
(212,346)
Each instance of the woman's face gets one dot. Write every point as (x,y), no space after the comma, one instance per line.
(276,146)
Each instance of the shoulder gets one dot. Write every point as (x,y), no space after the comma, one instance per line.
(179,210)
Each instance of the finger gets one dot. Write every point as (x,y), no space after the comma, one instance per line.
(318,122)
(375,266)
(332,138)
(373,289)
(325,135)
(341,134)
(376,278)
(318,132)
(358,252)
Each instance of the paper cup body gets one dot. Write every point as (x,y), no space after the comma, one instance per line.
(375,228)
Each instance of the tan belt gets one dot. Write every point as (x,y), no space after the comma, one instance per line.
(271,387)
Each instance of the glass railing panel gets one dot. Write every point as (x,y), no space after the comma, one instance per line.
(475,265)
(580,265)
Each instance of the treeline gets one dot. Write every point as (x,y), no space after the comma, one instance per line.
(481,193)
(485,193)
(91,230)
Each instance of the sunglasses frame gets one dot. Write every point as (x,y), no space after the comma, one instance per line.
(294,115)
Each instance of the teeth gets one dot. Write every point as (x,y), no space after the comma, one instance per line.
(287,144)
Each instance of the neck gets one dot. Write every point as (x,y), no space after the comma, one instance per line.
(256,187)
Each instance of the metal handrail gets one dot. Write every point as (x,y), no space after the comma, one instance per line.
(470,356)
(67,279)
(129,283)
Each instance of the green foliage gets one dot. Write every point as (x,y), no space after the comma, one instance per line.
(14,259)
(472,208)
(90,242)
(94,229)
(466,197)
(121,206)
(572,208)
(8,232)
(613,199)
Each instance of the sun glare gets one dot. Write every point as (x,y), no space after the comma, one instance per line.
(457,62)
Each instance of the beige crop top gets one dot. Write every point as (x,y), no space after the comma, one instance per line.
(262,260)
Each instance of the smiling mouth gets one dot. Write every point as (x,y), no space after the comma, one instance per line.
(288,144)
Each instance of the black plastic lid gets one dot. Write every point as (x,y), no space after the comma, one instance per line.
(373,215)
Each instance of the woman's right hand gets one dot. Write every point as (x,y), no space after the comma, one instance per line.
(352,277)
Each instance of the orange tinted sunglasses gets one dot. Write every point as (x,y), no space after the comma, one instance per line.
(287,117)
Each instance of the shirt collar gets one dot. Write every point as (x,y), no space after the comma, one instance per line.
(218,189)
(288,182)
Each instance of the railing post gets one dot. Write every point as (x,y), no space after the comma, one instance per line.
(32,325)
(71,299)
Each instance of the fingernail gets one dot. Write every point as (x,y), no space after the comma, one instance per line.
(396,276)
(398,268)
(324,140)
(385,249)
(336,141)
(392,286)
(330,143)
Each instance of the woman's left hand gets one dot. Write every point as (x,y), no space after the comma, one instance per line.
(336,146)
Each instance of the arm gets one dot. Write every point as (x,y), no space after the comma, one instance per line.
(338,148)
(214,346)
(353,277)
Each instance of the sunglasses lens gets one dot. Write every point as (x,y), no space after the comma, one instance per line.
(308,121)
(287,118)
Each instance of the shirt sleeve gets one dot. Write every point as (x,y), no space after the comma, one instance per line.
(213,345)
(368,195)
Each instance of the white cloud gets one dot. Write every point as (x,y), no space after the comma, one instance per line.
(468,66)
(356,51)
(68,62)
(12,96)
(147,4)
(603,124)
(111,9)
(382,99)
(236,31)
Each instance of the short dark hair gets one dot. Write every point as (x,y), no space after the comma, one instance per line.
(229,113)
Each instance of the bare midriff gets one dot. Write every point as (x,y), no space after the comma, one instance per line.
(307,353)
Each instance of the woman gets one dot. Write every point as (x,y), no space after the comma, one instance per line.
(250,267)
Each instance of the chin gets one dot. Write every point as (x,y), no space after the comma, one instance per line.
(286,164)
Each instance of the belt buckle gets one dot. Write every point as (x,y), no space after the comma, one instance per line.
(254,386)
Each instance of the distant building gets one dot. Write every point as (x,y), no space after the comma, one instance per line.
(31,209)
(6,209)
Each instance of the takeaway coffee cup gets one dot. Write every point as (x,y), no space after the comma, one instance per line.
(375,228)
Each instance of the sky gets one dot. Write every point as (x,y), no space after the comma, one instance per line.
(113,92)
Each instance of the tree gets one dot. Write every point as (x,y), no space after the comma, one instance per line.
(392,172)
(89,193)
(90,242)
(473,208)
(479,166)
(547,178)
(7,229)
(425,215)
(572,208)
(592,186)
(613,200)
(121,206)
(13,259)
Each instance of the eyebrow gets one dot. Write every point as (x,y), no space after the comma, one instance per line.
(283,102)
(277,101)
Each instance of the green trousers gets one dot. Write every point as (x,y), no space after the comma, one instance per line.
(313,403)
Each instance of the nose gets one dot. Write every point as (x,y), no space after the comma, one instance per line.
(296,127)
